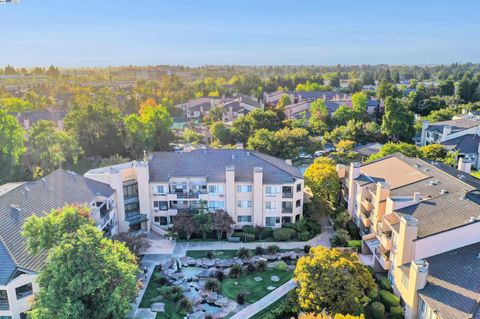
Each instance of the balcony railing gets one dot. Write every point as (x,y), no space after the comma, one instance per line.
(287,210)
(4,305)
(367,205)
(287,195)
(385,240)
(384,260)
(130,199)
(366,220)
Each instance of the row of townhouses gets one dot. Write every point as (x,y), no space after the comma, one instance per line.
(254,188)
(420,223)
(461,134)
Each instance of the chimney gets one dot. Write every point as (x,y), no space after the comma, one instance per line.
(418,273)
(289,162)
(355,169)
(464,165)
(447,130)
(416,197)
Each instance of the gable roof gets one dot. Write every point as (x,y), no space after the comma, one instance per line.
(38,198)
(457,125)
(464,144)
(453,289)
(212,163)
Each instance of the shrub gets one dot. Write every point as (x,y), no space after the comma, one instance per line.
(353,230)
(288,225)
(281,266)
(385,284)
(396,312)
(220,275)
(243,253)
(185,305)
(306,248)
(212,285)
(165,292)
(356,244)
(259,250)
(244,236)
(389,299)
(240,298)
(377,310)
(265,233)
(304,235)
(261,265)
(236,271)
(249,229)
(210,254)
(340,238)
(284,234)
(251,268)
(176,293)
(314,227)
(208,316)
(273,249)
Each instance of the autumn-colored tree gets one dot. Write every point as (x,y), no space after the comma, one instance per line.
(333,281)
(184,222)
(222,222)
(434,152)
(322,179)
(284,101)
(324,315)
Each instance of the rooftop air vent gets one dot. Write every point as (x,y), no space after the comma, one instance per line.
(472,219)
(443,192)
(416,165)
(478,256)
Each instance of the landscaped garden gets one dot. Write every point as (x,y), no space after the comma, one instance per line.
(219,283)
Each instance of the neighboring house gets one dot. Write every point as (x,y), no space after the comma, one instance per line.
(302,108)
(18,201)
(27,119)
(367,150)
(254,188)
(239,105)
(413,216)
(197,108)
(295,97)
(460,135)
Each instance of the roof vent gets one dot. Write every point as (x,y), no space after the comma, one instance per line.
(27,189)
(443,192)
(233,156)
(416,165)
(478,256)
(433,182)
(472,219)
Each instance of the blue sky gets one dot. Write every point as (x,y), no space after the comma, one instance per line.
(146,32)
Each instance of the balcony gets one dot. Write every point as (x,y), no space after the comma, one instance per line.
(130,199)
(287,195)
(365,217)
(4,302)
(386,240)
(384,260)
(367,205)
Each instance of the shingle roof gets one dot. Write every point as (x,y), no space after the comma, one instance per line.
(40,197)
(368,149)
(212,163)
(7,266)
(453,288)
(457,125)
(464,144)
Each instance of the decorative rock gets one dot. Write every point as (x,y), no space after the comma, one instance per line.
(158,307)
(237,261)
(226,271)
(271,288)
(275,278)
(258,279)
(207,262)
(262,259)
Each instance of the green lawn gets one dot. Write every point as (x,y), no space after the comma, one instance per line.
(475,174)
(261,314)
(221,254)
(254,290)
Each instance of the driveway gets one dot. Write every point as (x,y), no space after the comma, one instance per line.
(159,245)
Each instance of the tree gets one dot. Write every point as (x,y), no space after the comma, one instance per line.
(149,130)
(389,148)
(190,136)
(386,89)
(359,101)
(183,222)
(447,88)
(322,179)
(204,223)
(286,143)
(318,122)
(434,152)
(324,315)
(136,243)
(97,128)
(11,145)
(113,160)
(14,104)
(221,133)
(49,147)
(87,275)
(398,121)
(284,101)
(332,280)
(263,141)
(222,222)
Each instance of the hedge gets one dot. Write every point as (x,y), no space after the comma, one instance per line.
(244,236)
(385,284)
(396,312)
(265,233)
(284,234)
(355,244)
(249,229)
(388,299)
(304,235)
(281,266)
(377,310)
(314,227)
(353,230)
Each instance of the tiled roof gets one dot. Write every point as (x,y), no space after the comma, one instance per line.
(211,164)
(453,283)
(464,144)
(40,197)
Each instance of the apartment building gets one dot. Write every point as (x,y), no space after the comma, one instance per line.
(416,218)
(254,188)
(18,201)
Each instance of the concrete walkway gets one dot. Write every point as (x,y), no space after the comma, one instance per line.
(265,301)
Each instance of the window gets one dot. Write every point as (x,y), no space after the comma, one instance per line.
(287,192)
(286,220)
(286,207)
(298,203)
(213,205)
(272,190)
(270,206)
(160,190)
(244,203)
(272,221)
(4,300)
(244,219)
(161,205)
(299,188)
(23,315)
(24,291)
(215,189)
(244,188)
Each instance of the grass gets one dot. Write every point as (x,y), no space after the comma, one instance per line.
(254,290)
(221,254)
(475,174)
(151,296)
(261,314)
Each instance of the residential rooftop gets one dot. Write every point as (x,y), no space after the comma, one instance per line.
(457,125)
